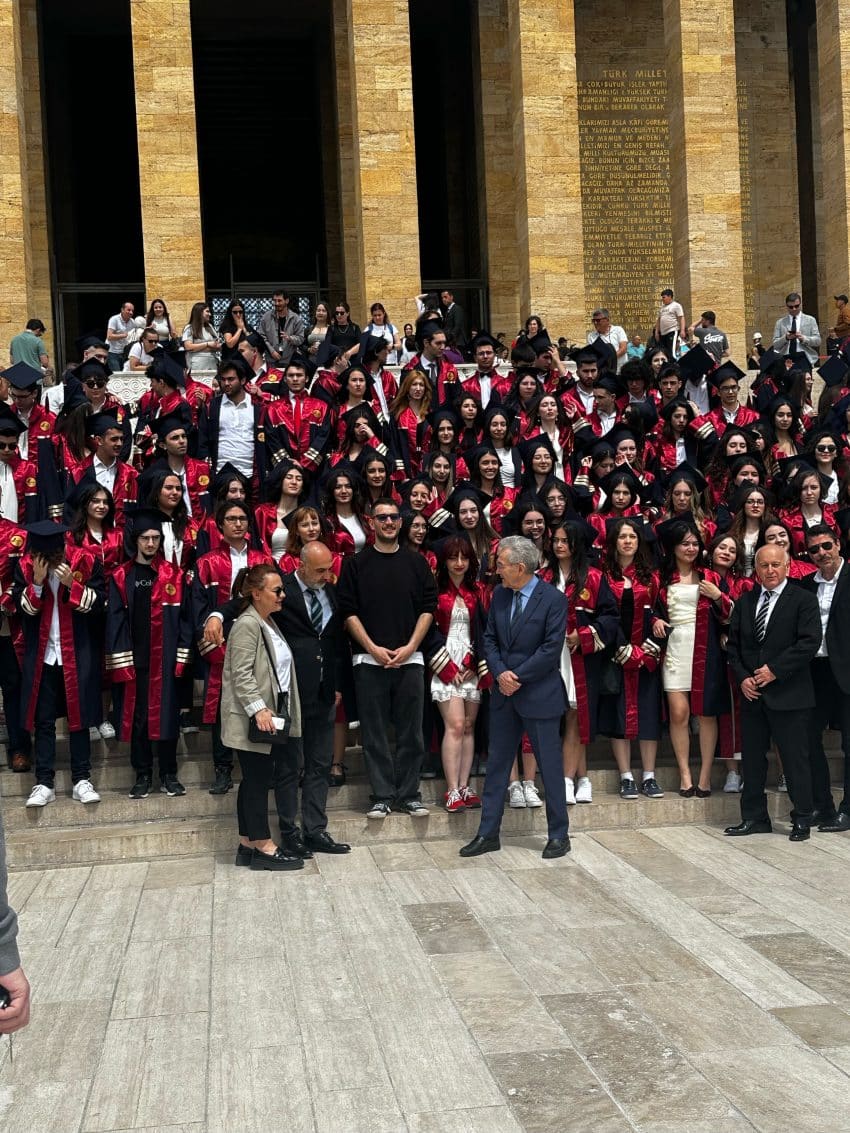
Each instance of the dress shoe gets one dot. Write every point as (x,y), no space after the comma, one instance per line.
(799,833)
(687,792)
(701,793)
(749,826)
(20,762)
(480,845)
(244,855)
(557,847)
(837,824)
(324,844)
(295,845)
(279,860)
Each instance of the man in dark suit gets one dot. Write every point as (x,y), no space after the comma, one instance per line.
(454,321)
(525,634)
(310,622)
(774,634)
(830,672)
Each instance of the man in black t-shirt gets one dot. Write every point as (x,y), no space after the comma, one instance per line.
(387,597)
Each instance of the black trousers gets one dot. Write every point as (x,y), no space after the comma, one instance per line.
(830,704)
(49,708)
(222,756)
(790,731)
(314,752)
(10,683)
(142,747)
(391,696)
(252,800)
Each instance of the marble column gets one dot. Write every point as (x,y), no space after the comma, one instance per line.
(548,183)
(379,201)
(705,180)
(168,153)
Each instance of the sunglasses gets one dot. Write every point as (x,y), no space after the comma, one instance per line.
(238,311)
(95,383)
(387,518)
(816,548)
(825,448)
(8,446)
(340,312)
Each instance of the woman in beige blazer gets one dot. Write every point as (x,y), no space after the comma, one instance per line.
(257,665)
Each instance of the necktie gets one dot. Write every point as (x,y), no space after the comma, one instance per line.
(517,610)
(315,610)
(296,417)
(793,345)
(761,615)
(435,374)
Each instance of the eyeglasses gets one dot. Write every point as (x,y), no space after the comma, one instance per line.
(277,591)
(387,518)
(597,319)
(817,548)
(23,396)
(95,383)
(235,519)
(8,446)
(825,448)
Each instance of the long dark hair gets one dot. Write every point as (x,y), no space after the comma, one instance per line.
(578,550)
(149,317)
(456,544)
(180,516)
(328,501)
(676,534)
(79,520)
(643,558)
(228,323)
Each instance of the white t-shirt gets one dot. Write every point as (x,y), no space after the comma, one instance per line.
(669,315)
(200,359)
(118,326)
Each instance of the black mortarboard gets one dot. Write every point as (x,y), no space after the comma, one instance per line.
(622,471)
(10,423)
(444,413)
(299,359)
(326,353)
(227,473)
(799,361)
(607,381)
(483,338)
(540,343)
(787,467)
(834,371)
(75,398)
(372,344)
(256,340)
(170,423)
(528,448)
(92,368)
(45,536)
(686,471)
(466,491)
(145,519)
(89,341)
(606,355)
(696,363)
(99,424)
(664,531)
(768,359)
(619,433)
(167,370)
(22,376)
(724,372)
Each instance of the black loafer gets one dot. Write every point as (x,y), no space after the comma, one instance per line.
(324,844)
(799,833)
(835,825)
(748,826)
(277,861)
(557,847)
(244,855)
(480,845)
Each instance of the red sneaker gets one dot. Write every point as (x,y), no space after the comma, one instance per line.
(454,802)
(470,799)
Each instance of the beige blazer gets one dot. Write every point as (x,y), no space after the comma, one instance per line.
(249,676)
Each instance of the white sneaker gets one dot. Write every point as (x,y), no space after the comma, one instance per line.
(516,795)
(94,734)
(732,786)
(84,792)
(571,791)
(584,791)
(532,798)
(107,732)
(41,796)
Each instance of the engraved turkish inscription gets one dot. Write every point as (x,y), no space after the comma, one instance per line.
(625,174)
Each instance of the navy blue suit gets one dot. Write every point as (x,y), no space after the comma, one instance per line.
(531,649)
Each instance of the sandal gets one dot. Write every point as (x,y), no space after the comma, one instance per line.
(336,778)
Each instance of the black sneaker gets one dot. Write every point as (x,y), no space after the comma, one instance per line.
(378,809)
(650,788)
(223,781)
(413,807)
(628,789)
(141,788)
(172,786)
(187,726)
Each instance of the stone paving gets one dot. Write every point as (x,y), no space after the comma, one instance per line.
(665,980)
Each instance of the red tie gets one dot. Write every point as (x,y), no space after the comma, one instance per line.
(296,416)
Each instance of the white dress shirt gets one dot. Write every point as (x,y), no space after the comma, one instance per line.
(321,593)
(826,593)
(771,606)
(236,435)
(105,474)
(8,494)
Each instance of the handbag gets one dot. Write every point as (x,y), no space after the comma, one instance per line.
(279,736)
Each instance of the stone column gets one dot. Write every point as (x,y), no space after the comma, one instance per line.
(380,215)
(496,168)
(548,183)
(24,262)
(705,181)
(168,154)
(833,24)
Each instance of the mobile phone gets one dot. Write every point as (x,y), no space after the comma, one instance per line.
(5,998)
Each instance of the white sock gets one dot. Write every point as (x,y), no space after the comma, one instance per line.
(627,775)
(648,775)
(528,782)
(514,783)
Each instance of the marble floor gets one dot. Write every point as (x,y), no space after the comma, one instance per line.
(665,981)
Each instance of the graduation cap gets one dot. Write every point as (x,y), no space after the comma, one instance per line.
(170,423)
(22,376)
(45,536)
(483,338)
(789,467)
(255,340)
(226,475)
(620,432)
(494,409)
(75,398)
(669,531)
(144,519)
(540,343)
(99,424)
(167,370)
(696,363)
(798,361)
(625,474)
(528,448)
(670,408)
(371,345)
(444,413)
(607,381)
(834,371)
(724,372)
(92,368)
(89,341)
(606,355)
(466,491)
(10,423)
(299,359)
(769,359)
(273,481)
(686,471)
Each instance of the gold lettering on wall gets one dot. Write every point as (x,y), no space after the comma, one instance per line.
(625,174)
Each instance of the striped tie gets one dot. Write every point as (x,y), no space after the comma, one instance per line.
(761,615)
(315,610)
(517,610)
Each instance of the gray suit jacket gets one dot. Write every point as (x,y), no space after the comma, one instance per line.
(248,677)
(807,326)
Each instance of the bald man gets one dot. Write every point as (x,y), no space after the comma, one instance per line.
(774,635)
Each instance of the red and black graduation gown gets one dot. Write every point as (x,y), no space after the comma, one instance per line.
(25,478)
(447,377)
(40,425)
(500,506)
(593,613)
(13,540)
(793,519)
(299,432)
(210,588)
(341,540)
(170,646)
(716,419)
(709,692)
(635,711)
(477,602)
(110,550)
(729,725)
(81,643)
(413,437)
(209,428)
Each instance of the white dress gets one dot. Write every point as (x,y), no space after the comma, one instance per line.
(682,615)
(458,645)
